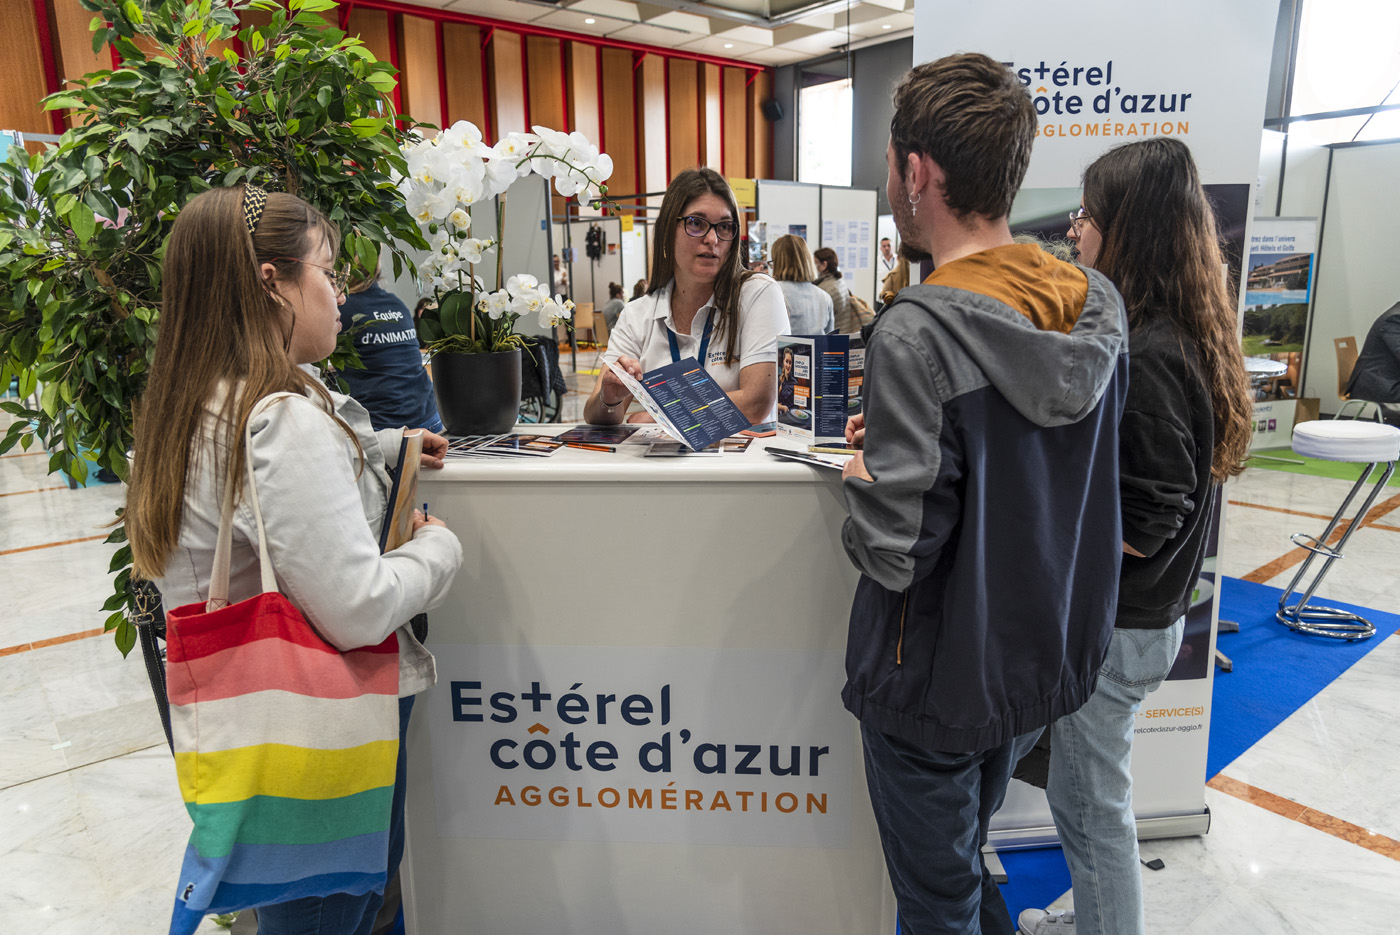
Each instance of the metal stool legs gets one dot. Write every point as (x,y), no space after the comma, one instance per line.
(1314,619)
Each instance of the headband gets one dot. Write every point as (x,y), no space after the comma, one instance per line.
(254,200)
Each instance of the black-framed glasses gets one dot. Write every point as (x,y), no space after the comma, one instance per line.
(340,278)
(1077,219)
(697,226)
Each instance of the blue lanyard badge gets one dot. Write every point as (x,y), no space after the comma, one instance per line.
(704,341)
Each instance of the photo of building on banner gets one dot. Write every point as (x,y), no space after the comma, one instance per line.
(1277,298)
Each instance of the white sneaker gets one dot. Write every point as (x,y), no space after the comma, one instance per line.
(1043,922)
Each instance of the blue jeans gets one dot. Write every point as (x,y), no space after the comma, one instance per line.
(344,913)
(933,810)
(1091,787)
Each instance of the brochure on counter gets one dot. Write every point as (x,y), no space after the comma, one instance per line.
(686,402)
(816,459)
(596,437)
(667,448)
(820,380)
(503,446)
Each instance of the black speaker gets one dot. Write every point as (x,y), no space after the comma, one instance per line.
(772,110)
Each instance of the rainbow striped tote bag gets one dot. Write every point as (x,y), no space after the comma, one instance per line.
(285,748)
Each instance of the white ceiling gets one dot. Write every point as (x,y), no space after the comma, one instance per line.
(703,28)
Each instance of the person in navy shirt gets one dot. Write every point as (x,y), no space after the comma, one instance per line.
(393,384)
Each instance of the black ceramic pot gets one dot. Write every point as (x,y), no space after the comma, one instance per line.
(477,394)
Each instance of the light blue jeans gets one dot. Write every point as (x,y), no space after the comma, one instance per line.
(1091,788)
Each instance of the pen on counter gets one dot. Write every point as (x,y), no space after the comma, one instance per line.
(832,449)
(590,447)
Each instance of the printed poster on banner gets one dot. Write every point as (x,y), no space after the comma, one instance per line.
(566,743)
(1277,299)
(1097,82)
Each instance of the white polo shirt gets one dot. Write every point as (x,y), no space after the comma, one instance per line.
(644,323)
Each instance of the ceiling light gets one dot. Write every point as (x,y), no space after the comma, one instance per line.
(590,21)
(729,45)
(887,26)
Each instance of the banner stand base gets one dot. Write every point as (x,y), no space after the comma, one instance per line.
(1170,826)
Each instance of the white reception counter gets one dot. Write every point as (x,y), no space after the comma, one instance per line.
(637,725)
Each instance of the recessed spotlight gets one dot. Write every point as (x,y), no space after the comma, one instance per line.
(729,45)
(887,26)
(590,21)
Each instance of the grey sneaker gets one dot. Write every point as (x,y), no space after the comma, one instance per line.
(1043,922)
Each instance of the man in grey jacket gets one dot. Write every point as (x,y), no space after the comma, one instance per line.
(984,510)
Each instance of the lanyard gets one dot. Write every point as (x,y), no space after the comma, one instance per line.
(704,341)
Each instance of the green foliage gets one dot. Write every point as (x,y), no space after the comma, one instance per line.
(450,327)
(84,224)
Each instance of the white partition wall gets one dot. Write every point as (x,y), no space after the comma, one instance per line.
(1355,277)
(632,252)
(827,216)
(849,226)
(789,208)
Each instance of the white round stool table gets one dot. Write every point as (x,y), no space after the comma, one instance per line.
(1358,442)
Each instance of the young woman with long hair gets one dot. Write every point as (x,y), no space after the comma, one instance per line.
(1147,224)
(250,298)
(700,303)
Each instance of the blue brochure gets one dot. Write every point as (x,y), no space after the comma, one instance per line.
(686,402)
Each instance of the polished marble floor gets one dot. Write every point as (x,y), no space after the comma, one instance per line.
(92,828)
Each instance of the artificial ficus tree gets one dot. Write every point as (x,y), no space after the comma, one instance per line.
(200,100)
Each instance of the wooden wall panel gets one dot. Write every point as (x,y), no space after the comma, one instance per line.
(466,95)
(709,111)
(650,79)
(583,90)
(372,26)
(545,65)
(22,82)
(74,43)
(507,84)
(683,116)
(418,60)
(761,131)
(735,158)
(619,132)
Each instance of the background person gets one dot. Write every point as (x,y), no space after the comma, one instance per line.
(614,306)
(894,281)
(887,257)
(560,277)
(639,288)
(1147,224)
(830,279)
(809,308)
(701,303)
(246,304)
(1376,376)
(975,624)
(392,383)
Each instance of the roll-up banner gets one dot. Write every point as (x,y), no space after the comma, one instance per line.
(1103,73)
(1277,297)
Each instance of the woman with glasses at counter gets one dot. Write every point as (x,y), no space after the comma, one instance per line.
(700,303)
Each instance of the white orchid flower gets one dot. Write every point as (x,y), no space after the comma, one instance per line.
(602,169)
(521,283)
(495,304)
(460,219)
(471,249)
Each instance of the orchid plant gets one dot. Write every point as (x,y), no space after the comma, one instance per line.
(455,170)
